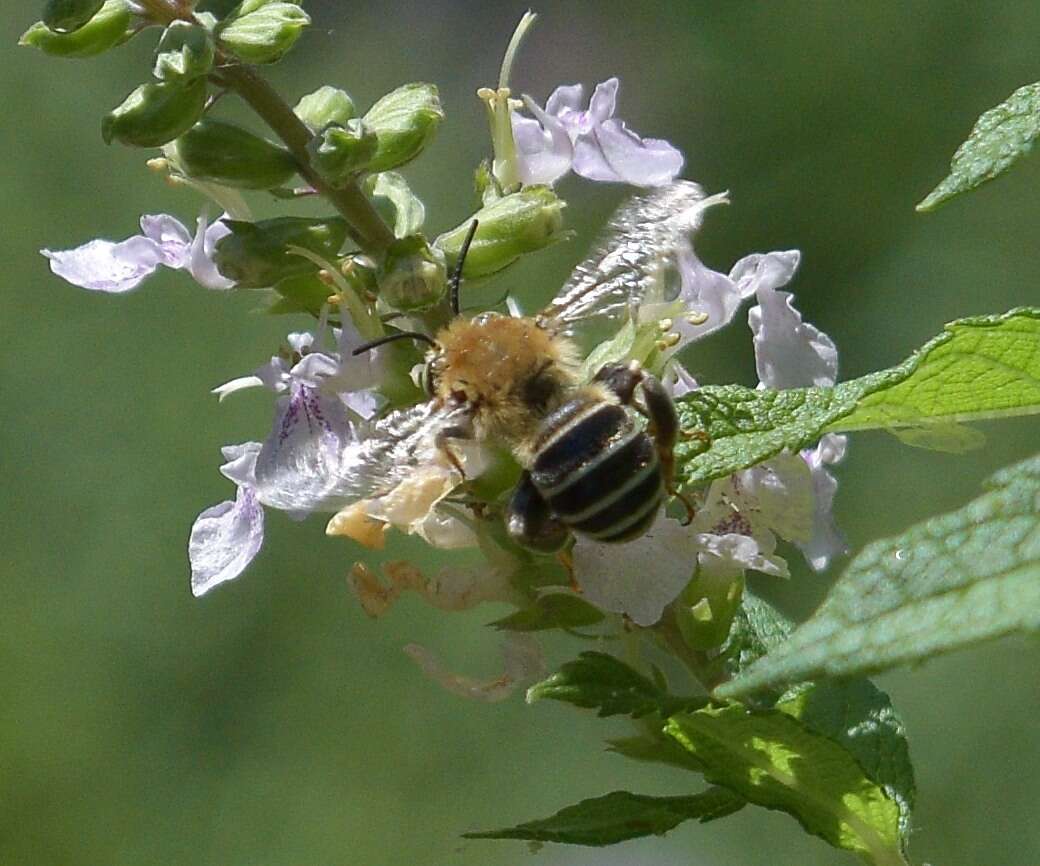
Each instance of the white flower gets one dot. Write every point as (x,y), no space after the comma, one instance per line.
(791,353)
(225,538)
(115,268)
(591,141)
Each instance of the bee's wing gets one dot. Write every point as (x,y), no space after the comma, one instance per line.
(393,448)
(629,260)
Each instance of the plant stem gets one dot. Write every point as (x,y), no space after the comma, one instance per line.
(365,225)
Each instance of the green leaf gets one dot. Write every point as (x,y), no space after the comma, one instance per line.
(999,138)
(858,716)
(772,759)
(946,583)
(620,815)
(601,682)
(981,367)
(556,610)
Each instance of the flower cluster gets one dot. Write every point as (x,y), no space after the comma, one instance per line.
(354,438)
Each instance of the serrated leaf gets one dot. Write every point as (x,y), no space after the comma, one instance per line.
(620,815)
(858,716)
(556,610)
(601,682)
(772,759)
(946,583)
(1000,137)
(981,367)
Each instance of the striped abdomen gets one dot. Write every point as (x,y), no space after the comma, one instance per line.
(597,470)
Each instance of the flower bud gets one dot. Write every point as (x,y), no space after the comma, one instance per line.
(155,113)
(257,255)
(229,155)
(404,121)
(262,31)
(413,275)
(337,152)
(508,227)
(65,16)
(185,52)
(105,29)
(327,105)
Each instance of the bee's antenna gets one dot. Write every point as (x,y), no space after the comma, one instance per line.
(456,275)
(390,338)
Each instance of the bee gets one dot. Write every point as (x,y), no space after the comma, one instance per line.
(590,464)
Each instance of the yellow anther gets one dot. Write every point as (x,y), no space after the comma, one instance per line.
(697,318)
(665,325)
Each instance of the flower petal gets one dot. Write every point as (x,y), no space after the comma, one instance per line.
(640,577)
(603,102)
(733,553)
(104,266)
(311,446)
(200,263)
(241,463)
(239,384)
(171,236)
(565,99)
(789,353)
(764,271)
(826,540)
(224,540)
(544,147)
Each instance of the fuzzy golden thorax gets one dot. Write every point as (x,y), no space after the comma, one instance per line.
(511,371)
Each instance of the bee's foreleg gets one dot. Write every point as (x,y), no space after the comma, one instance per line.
(462,429)
(530,522)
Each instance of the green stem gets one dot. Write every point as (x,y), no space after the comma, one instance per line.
(366,226)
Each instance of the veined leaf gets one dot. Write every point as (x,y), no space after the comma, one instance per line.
(601,682)
(772,759)
(981,367)
(949,582)
(1000,137)
(620,815)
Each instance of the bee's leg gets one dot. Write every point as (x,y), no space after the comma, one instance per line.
(442,441)
(658,406)
(530,522)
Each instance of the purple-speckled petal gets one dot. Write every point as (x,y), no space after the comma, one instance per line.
(104,266)
(224,540)
(311,448)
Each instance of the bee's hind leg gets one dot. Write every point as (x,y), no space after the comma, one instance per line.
(623,379)
(530,522)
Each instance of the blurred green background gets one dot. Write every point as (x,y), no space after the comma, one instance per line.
(272,722)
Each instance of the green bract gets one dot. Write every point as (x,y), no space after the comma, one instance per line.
(396,202)
(324,106)
(155,113)
(65,16)
(946,583)
(104,30)
(230,155)
(412,276)
(262,31)
(257,255)
(185,51)
(339,152)
(403,121)
(508,227)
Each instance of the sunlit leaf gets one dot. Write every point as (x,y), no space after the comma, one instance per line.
(949,582)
